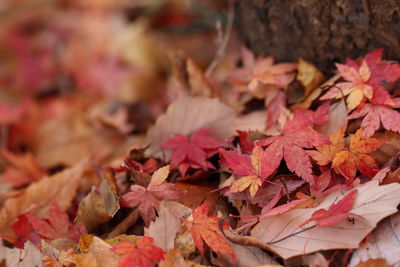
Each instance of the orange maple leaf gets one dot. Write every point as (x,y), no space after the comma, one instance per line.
(347,161)
(142,254)
(206,229)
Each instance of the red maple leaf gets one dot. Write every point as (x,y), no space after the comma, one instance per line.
(296,135)
(206,229)
(57,225)
(365,80)
(149,198)
(375,115)
(337,212)
(24,231)
(253,169)
(193,151)
(142,254)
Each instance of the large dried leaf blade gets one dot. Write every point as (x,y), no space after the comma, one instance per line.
(384,243)
(188,115)
(283,235)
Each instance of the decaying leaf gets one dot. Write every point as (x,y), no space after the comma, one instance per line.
(188,115)
(285,237)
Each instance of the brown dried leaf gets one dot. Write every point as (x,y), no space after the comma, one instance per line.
(255,121)
(283,235)
(384,243)
(98,207)
(188,115)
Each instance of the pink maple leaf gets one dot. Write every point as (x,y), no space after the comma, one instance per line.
(375,115)
(147,199)
(365,81)
(193,151)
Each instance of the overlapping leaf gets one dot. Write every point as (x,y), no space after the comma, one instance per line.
(147,199)
(296,135)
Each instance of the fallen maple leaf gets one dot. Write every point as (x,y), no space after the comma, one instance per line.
(365,81)
(142,254)
(193,151)
(57,225)
(206,229)
(283,235)
(347,162)
(261,71)
(374,116)
(296,134)
(149,198)
(252,168)
(337,212)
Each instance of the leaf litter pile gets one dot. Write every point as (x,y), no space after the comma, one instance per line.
(129,139)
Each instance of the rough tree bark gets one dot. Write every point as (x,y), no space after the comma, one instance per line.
(321,31)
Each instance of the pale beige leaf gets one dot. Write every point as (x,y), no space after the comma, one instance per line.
(159,176)
(246,256)
(164,229)
(188,115)
(62,186)
(283,235)
(253,121)
(384,243)
(98,207)
(30,256)
(98,254)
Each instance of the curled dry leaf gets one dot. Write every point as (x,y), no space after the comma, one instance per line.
(283,235)
(384,243)
(62,186)
(188,115)
(98,207)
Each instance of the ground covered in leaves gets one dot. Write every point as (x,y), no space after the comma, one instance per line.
(146,134)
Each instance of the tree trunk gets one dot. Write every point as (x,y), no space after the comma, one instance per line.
(320,31)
